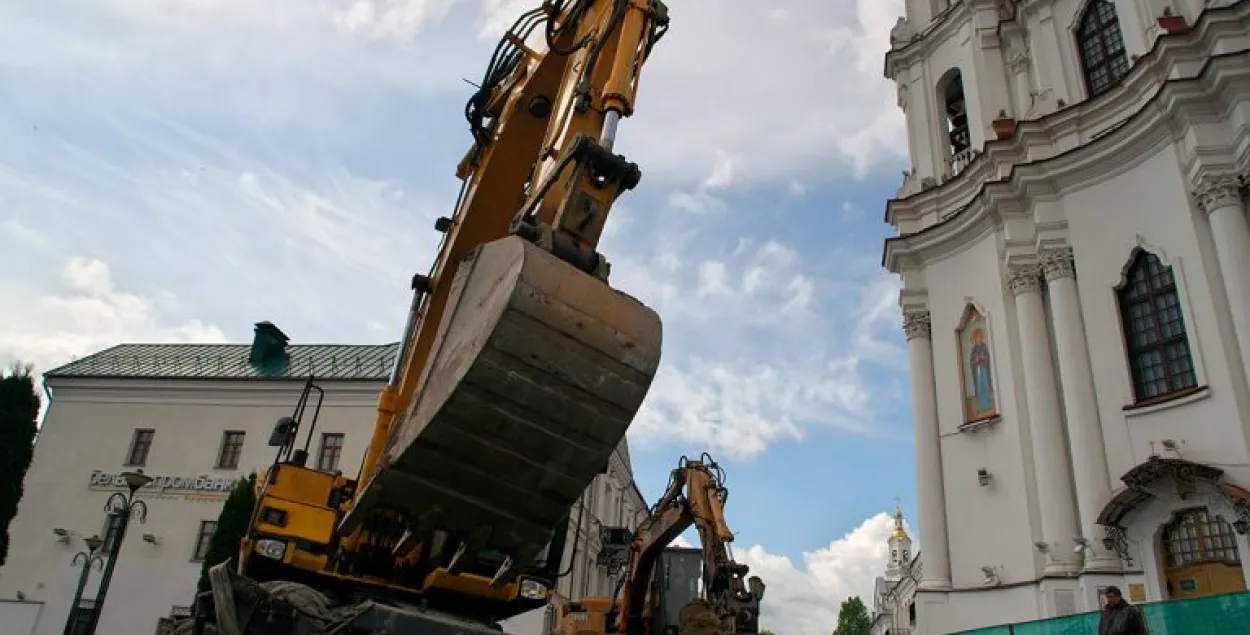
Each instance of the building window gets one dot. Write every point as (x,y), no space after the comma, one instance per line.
(1104,62)
(1194,538)
(956,113)
(1154,330)
(203,538)
(331,450)
(140,443)
(950,93)
(231,448)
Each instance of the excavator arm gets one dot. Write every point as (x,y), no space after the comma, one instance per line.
(696,495)
(519,368)
(544,125)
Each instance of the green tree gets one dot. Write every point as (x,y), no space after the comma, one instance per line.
(232,523)
(853,618)
(19,414)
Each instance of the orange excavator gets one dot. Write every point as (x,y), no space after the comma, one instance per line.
(730,601)
(518,373)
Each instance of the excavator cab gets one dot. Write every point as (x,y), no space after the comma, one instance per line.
(297,506)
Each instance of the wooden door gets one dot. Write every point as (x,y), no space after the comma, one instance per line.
(1200,553)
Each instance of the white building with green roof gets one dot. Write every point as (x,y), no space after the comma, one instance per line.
(197,417)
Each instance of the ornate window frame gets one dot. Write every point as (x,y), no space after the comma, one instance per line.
(1132,405)
(1075,46)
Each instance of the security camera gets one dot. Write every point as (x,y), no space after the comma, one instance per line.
(151,539)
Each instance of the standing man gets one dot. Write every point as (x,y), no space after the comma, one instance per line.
(1120,617)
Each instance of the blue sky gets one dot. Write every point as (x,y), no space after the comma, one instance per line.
(175,171)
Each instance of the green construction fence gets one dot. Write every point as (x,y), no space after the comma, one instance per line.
(1227,614)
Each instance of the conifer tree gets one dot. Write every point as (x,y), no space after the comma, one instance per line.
(19,413)
(232,523)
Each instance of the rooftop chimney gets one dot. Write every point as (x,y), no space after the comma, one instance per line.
(268,346)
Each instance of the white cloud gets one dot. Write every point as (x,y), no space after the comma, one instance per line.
(755,348)
(759,344)
(82,312)
(804,599)
(770,91)
(758,94)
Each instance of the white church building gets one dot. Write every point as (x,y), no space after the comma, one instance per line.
(1074,252)
(894,594)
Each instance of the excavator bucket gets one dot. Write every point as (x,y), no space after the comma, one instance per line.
(532,382)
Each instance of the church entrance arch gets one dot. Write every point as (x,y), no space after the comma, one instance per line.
(1200,555)
(1183,525)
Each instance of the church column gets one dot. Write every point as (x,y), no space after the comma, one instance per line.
(1220,198)
(1089,457)
(1054,479)
(930,492)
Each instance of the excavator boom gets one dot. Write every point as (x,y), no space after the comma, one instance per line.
(519,368)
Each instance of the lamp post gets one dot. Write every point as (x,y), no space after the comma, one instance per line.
(83,559)
(123,506)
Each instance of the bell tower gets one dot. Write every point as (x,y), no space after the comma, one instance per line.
(900,547)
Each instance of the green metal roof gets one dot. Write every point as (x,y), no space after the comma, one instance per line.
(230,361)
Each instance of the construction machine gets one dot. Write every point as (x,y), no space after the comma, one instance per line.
(729,602)
(518,372)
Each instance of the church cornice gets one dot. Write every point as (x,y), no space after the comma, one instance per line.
(921,44)
(1176,107)
(1052,135)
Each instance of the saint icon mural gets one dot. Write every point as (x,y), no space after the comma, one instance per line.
(977,367)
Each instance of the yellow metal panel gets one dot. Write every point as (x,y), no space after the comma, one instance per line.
(302,521)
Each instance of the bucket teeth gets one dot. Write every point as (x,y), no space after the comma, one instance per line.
(534,379)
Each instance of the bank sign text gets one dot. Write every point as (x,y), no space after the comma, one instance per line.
(165,483)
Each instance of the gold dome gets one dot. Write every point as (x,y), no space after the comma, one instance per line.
(899,533)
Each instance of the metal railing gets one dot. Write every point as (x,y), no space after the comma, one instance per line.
(959,162)
(1211,615)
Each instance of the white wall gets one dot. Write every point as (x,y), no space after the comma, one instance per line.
(89,426)
(19,617)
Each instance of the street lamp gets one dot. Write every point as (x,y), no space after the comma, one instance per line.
(84,559)
(123,506)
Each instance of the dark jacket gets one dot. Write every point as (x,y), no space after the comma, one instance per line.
(1124,619)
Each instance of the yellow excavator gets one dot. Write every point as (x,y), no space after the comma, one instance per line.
(518,373)
(696,495)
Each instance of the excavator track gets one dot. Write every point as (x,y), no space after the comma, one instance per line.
(240,606)
(533,381)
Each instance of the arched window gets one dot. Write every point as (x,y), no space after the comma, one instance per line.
(950,93)
(1195,537)
(956,112)
(1154,329)
(1104,62)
